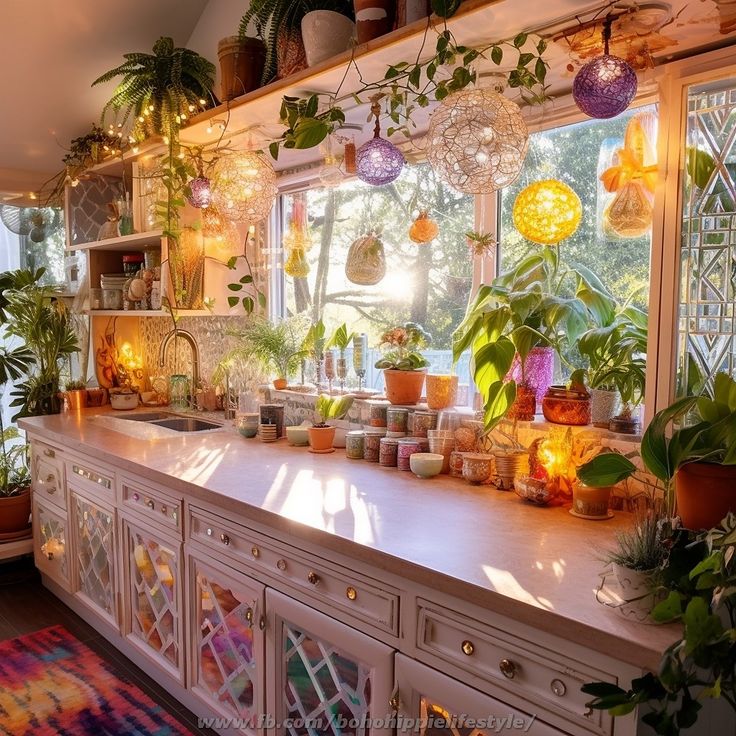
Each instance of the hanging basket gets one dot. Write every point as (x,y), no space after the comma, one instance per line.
(366,261)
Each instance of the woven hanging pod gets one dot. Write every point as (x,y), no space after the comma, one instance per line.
(366,261)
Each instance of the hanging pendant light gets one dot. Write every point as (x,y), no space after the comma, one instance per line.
(378,161)
(200,192)
(477,141)
(423,229)
(547,212)
(244,186)
(605,86)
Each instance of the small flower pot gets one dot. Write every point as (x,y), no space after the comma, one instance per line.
(76,399)
(441,390)
(509,465)
(403,387)
(325,34)
(280,383)
(241,65)
(321,439)
(603,405)
(590,503)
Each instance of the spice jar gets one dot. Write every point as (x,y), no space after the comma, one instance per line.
(388,452)
(371,446)
(354,444)
(397,419)
(407,446)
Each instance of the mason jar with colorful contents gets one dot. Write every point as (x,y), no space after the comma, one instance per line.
(406,448)
(354,444)
(371,447)
(397,420)
(388,452)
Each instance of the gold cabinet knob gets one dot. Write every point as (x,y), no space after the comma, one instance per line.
(468,647)
(49,453)
(351,593)
(393,703)
(558,687)
(224,539)
(150,504)
(255,552)
(312,577)
(508,668)
(281,564)
(249,615)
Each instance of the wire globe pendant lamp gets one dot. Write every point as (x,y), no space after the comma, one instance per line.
(605,86)
(477,140)
(547,212)
(244,187)
(378,161)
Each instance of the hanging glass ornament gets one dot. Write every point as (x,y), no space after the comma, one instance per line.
(547,212)
(200,192)
(423,229)
(378,161)
(297,239)
(244,186)
(296,264)
(330,174)
(629,215)
(605,86)
(477,141)
(365,264)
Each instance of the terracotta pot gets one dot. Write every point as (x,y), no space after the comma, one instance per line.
(15,512)
(525,404)
(290,55)
(403,387)
(96,396)
(321,438)
(325,33)
(591,502)
(373,18)
(280,383)
(705,493)
(241,65)
(77,399)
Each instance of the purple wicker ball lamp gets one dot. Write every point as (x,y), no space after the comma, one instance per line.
(379,162)
(201,192)
(605,86)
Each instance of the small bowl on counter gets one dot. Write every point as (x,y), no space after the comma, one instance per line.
(247,424)
(477,468)
(426,464)
(124,402)
(297,436)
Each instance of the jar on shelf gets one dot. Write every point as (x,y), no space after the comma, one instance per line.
(354,441)
(372,446)
(132,263)
(571,406)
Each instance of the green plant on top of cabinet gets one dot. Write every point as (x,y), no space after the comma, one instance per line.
(404,367)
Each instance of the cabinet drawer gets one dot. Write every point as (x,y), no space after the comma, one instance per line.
(360,597)
(152,504)
(86,476)
(523,669)
(47,473)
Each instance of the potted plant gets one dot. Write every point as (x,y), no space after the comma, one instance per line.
(540,305)
(321,434)
(242,59)
(333,412)
(76,395)
(404,367)
(700,575)
(327,29)
(277,345)
(695,463)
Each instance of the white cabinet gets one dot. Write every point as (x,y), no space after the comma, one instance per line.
(431,703)
(226,638)
(50,541)
(324,675)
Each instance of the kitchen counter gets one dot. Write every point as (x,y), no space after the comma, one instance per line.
(539,566)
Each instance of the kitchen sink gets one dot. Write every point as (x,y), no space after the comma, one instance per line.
(147,416)
(185,424)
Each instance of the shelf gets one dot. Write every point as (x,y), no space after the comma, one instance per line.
(115,165)
(123,242)
(146,312)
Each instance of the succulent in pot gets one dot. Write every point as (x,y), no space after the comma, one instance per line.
(404,367)
(326,408)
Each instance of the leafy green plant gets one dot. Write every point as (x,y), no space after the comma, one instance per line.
(313,345)
(341,339)
(278,346)
(539,303)
(701,664)
(402,345)
(641,547)
(160,89)
(75,386)
(331,408)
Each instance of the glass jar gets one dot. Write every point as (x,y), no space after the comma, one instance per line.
(397,419)
(179,391)
(371,446)
(378,412)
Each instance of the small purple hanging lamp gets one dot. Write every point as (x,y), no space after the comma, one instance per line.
(200,187)
(605,86)
(379,162)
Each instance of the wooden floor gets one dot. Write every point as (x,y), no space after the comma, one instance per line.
(26,606)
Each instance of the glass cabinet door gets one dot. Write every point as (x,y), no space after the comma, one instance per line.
(432,704)
(94,545)
(228,650)
(154,585)
(328,677)
(50,549)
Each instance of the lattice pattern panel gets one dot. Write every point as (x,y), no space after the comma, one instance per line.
(707,318)
(155,584)
(227,664)
(94,553)
(53,539)
(88,207)
(324,686)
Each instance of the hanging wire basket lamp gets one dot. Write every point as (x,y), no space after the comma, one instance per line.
(605,86)
(477,141)
(547,212)
(244,187)
(378,161)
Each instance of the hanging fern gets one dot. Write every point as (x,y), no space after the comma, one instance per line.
(171,79)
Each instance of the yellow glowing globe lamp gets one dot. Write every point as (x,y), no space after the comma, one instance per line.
(547,212)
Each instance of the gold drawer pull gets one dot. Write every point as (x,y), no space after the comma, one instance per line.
(150,504)
(49,452)
(468,647)
(508,668)
(281,564)
(50,477)
(351,593)
(312,577)
(255,552)
(225,539)
(249,616)
(558,687)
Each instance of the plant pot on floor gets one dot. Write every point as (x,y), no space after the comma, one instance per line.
(373,18)
(403,387)
(241,65)
(321,438)
(705,493)
(15,512)
(603,406)
(76,399)
(325,33)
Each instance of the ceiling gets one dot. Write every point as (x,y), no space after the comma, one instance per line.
(50,54)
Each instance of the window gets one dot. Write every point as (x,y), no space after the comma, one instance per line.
(429,284)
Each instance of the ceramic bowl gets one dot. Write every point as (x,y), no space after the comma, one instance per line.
(297,436)
(425,464)
(477,468)
(124,402)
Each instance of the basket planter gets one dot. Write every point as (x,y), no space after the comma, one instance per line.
(325,34)
(15,513)
(290,56)
(705,493)
(403,387)
(241,65)
(509,465)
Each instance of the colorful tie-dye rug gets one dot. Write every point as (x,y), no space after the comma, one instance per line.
(53,685)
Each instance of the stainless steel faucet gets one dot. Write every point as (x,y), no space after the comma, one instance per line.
(187,337)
